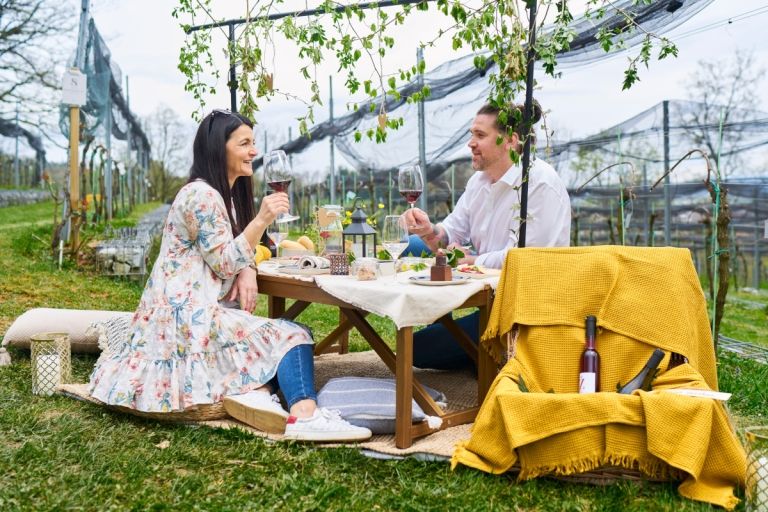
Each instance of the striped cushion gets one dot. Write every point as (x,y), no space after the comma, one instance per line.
(369,402)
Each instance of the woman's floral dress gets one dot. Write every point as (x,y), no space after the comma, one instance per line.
(186,347)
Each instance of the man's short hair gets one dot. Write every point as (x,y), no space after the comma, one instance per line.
(512,121)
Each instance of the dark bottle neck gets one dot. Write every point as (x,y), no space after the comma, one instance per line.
(591,331)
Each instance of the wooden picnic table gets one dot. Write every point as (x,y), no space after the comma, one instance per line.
(279,288)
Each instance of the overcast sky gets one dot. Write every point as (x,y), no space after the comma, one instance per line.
(144,40)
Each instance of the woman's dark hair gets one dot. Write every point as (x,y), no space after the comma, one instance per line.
(209,163)
(509,120)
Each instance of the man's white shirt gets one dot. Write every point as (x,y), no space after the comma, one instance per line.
(488,214)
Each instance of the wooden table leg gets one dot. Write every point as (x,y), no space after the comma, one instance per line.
(344,338)
(404,388)
(486,366)
(275,306)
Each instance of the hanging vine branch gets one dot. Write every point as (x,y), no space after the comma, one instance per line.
(351,35)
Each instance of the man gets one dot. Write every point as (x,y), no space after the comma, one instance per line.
(487,216)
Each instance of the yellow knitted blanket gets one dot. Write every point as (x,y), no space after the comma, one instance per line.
(643,298)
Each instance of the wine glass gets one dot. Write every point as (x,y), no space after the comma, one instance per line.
(394,235)
(277,231)
(410,183)
(277,174)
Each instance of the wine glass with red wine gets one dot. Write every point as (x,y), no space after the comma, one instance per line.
(277,174)
(410,183)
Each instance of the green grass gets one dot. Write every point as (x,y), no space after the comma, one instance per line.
(60,454)
(746,317)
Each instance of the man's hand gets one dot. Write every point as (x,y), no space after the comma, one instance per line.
(245,289)
(469,259)
(417,222)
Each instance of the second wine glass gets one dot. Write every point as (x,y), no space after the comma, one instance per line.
(410,182)
(277,231)
(277,174)
(394,235)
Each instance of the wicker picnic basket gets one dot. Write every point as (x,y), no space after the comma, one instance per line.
(200,412)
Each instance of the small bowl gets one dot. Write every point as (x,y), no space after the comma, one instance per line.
(365,269)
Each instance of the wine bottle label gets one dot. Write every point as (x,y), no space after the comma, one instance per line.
(587,382)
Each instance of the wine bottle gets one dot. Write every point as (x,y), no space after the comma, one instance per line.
(645,377)
(589,376)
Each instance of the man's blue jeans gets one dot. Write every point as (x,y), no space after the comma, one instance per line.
(434,346)
(415,247)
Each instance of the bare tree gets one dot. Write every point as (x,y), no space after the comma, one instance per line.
(727,88)
(169,139)
(32,36)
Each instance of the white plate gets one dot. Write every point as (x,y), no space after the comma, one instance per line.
(293,269)
(426,281)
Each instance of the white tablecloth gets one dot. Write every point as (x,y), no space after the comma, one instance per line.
(407,304)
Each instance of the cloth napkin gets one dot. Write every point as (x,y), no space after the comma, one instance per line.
(313,262)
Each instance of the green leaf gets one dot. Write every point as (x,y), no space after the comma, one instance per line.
(521,383)
(384,255)
(453,257)
(630,77)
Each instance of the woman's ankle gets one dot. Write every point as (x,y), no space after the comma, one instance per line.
(303,408)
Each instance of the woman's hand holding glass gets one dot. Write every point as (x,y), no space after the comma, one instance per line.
(272,205)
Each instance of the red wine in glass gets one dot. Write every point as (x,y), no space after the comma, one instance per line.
(410,182)
(281,186)
(411,196)
(277,174)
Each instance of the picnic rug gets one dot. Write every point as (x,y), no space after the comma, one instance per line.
(460,387)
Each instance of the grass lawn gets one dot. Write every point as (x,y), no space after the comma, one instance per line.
(57,454)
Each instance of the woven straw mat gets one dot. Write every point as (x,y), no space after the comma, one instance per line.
(459,387)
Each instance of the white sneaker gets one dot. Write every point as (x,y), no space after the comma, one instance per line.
(257,409)
(324,425)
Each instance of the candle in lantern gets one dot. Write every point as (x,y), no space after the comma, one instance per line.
(48,373)
(761,481)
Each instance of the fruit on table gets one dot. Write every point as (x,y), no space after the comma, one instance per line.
(261,253)
(307,243)
(294,246)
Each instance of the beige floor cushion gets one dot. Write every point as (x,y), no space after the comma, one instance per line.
(73,321)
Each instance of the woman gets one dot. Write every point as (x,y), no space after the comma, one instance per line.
(187,347)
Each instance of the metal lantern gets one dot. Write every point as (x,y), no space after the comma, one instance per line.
(360,234)
(51,366)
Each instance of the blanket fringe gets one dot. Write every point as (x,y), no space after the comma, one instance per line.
(5,357)
(570,467)
(650,467)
